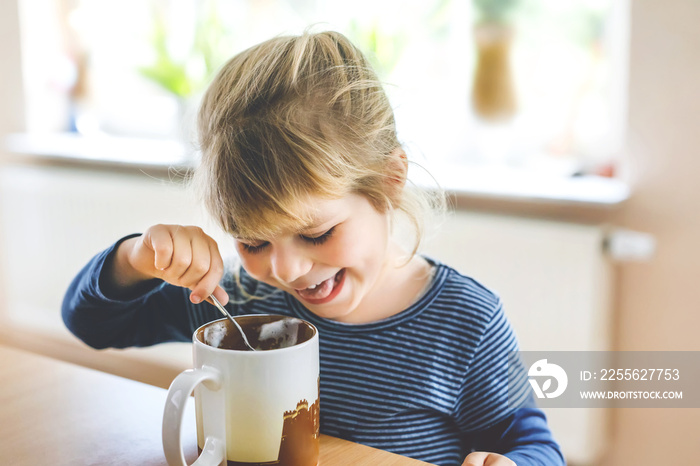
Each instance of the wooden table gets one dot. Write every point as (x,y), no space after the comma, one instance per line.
(57,413)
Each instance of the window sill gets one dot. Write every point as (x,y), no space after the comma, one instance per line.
(526,185)
(101,150)
(468,185)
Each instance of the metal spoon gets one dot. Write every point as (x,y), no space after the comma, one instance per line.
(225,312)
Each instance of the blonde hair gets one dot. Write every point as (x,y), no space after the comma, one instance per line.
(291,117)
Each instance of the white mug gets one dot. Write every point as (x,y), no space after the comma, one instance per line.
(253,407)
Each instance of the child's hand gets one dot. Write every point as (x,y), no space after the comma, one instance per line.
(482,458)
(181,255)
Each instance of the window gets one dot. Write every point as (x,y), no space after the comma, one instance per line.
(534,84)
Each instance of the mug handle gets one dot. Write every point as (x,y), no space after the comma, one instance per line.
(214,451)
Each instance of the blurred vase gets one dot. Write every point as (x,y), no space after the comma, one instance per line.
(493,92)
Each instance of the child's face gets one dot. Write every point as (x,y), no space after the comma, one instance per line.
(333,266)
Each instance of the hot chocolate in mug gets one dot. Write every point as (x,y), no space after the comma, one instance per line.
(253,407)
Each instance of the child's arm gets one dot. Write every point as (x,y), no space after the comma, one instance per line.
(183,256)
(115,301)
(525,437)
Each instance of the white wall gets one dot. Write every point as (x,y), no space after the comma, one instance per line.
(658,303)
(11,110)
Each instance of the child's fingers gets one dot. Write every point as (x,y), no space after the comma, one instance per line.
(200,263)
(498,460)
(209,282)
(185,256)
(221,295)
(217,266)
(159,240)
(180,260)
(482,458)
(206,286)
(476,458)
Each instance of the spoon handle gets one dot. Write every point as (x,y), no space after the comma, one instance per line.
(223,310)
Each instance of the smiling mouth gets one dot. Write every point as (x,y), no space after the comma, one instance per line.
(324,291)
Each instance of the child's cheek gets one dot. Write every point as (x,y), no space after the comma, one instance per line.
(255,267)
(345,251)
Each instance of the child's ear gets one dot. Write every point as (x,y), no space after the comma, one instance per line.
(397,172)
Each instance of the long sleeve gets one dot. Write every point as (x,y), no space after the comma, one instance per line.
(524,437)
(158,313)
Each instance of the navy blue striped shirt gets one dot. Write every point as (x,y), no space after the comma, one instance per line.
(431,382)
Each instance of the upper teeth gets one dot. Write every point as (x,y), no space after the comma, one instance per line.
(314,286)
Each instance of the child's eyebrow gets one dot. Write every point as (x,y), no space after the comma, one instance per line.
(314,222)
(309,226)
(245,240)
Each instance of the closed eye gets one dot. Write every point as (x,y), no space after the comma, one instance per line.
(320,239)
(254,248)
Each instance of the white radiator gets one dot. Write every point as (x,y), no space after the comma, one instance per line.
(52,221)
(553,277)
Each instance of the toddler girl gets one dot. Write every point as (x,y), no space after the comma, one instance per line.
(300,163)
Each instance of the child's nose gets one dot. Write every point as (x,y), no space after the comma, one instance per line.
(289,264)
